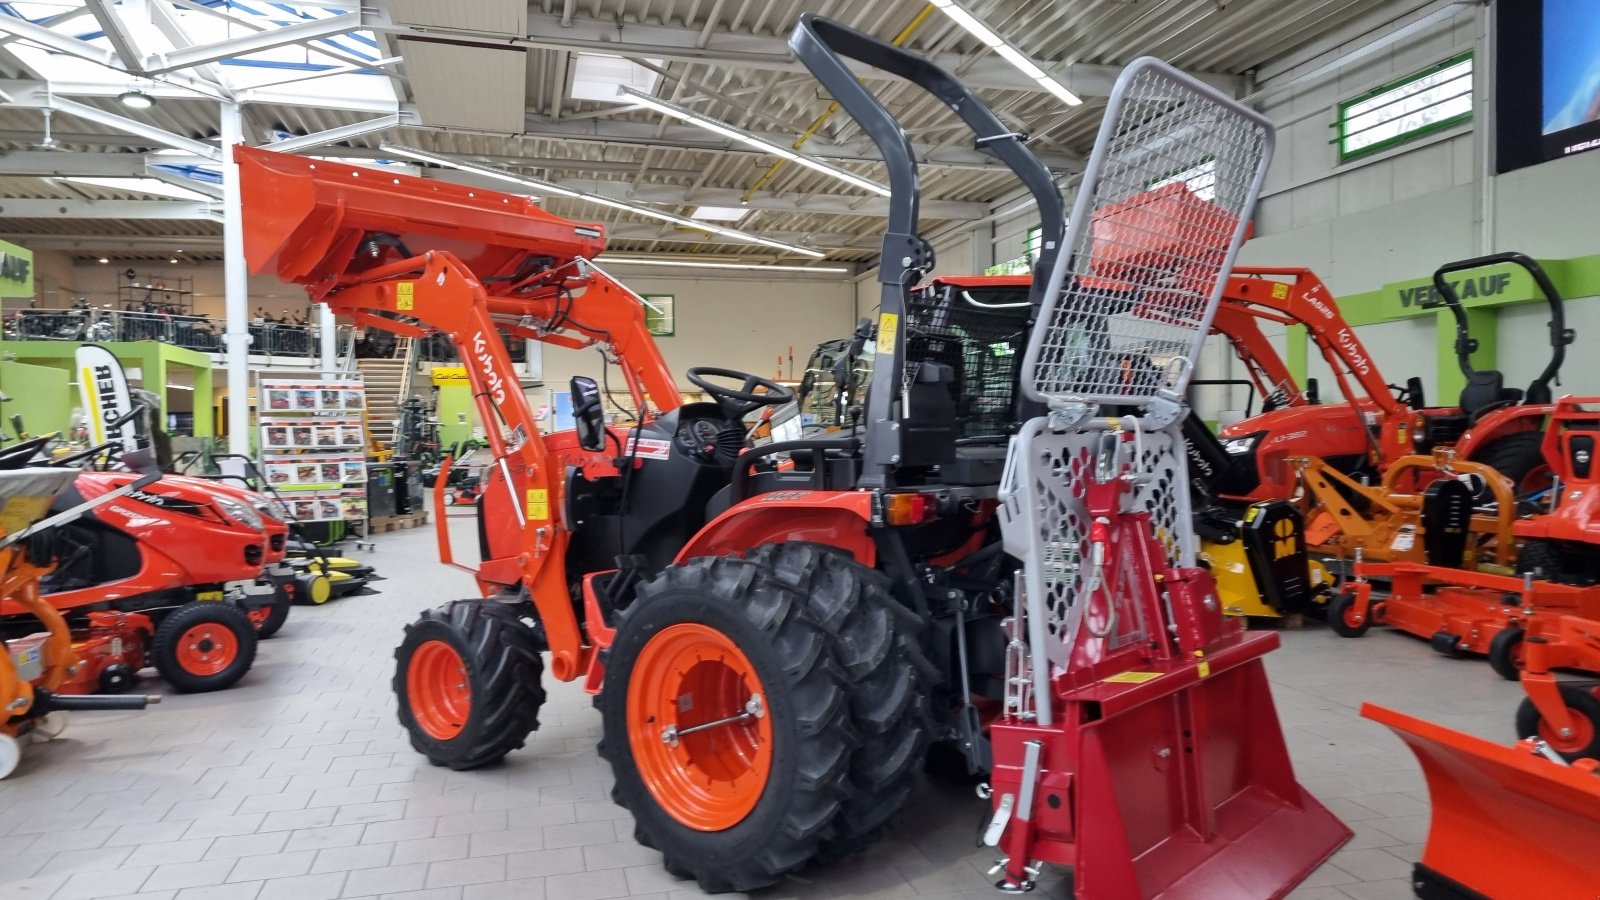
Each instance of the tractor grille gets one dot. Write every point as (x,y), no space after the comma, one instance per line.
(981,334)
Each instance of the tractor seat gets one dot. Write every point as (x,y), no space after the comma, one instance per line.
(1485,390)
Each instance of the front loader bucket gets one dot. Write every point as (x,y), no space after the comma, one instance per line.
(308,217)
(1507,822)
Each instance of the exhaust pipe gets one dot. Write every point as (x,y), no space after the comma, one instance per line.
(78,702)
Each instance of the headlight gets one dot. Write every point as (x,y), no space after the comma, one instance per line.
(271,509)
(1242,445)
(239,512)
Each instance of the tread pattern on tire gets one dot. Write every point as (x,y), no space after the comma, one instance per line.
(187,616)
(825,738)
(1514,456)
(890,681)
(502,656)
(1541,557)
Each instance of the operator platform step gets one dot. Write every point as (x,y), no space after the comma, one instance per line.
(383,524)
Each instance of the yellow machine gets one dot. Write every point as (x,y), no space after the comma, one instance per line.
(1258,559)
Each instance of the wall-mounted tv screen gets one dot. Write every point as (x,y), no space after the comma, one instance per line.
(1547,91)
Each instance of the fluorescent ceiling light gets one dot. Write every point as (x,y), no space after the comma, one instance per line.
(139,186)
(697,264)
(975,27)
(750,140)
(547,187)
(719,213)
(599,77)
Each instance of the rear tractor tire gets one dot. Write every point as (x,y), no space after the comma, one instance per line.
(204,645)
(727,717)
(467,683)
(1520,458)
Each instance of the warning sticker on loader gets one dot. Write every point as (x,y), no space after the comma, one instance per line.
(888,333)
(1131,678)
(538,504)
(403,295)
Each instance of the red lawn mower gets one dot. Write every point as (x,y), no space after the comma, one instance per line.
(1553,601)
(178,575)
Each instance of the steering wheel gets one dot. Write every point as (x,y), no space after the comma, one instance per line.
(739,402)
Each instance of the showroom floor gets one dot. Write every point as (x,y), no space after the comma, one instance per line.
(299,785)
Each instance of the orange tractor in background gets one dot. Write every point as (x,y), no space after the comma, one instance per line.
(780,628)
(1377,423)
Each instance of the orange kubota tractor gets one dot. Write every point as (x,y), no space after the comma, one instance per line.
(777,632)
(1377,422)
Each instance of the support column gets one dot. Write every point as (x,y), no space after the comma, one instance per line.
(328,332)
(236,287)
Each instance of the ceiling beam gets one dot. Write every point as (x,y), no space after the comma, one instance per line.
(344,132)
(55,40)
(111,244)
(268,39)
(99,116)
(749,51)
(117,33)
(12,207)
(688,137)
(667,195)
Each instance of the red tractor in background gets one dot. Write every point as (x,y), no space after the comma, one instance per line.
(778,631)
(1377,422)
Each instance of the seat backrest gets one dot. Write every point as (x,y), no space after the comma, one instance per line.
(1482,390)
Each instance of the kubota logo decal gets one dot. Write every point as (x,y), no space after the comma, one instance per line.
(493,383)
(1358,360)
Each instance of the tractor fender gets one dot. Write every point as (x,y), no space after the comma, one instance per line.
(836,518)
(1499,423)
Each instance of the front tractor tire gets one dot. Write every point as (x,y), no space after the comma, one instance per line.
(727,722)
(890,680)
(467,683)
(204,645)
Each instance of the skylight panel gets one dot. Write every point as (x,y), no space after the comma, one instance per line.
(598,77)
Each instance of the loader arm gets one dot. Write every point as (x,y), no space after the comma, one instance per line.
(1255,294)
(418,257)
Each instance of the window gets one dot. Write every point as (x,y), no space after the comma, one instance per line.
(1035,243)
(1419,104)
(1032,244)
(1200,178)
(658,314)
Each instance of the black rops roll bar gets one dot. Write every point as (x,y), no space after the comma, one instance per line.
(1560,334)
(819,44)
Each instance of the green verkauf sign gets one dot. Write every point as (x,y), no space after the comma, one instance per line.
(16,271)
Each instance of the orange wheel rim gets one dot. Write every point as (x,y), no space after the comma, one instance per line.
(258,616)
(1580,738)
(698,727)
(438,690)
(1352,619)
(207,649)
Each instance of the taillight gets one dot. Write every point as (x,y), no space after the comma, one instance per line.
(908,509)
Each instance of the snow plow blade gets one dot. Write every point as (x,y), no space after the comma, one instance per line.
(1507,822)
